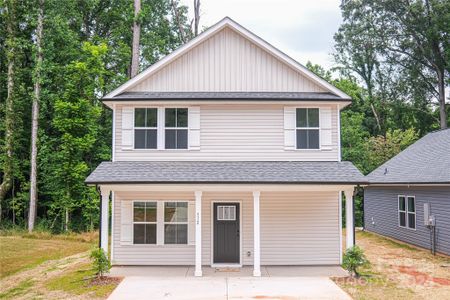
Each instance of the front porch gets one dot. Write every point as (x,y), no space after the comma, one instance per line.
(290,226)
(245,271)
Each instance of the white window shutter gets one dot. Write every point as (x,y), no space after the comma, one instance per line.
(191,223)
(289,128)
(325,128)
(127,127)
(194,127)
(126,222)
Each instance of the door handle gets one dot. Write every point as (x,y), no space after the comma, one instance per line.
(237,233)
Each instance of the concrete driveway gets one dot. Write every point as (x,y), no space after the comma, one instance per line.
(215,288)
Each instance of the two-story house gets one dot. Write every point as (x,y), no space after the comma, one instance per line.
(226,153)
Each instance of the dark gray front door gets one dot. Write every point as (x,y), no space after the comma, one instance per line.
(226,233)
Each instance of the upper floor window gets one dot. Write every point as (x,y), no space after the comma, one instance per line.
(307,128)
(176,128)
(145,128)
(407,211)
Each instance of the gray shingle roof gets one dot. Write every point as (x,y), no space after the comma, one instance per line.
(226,172)
(425,161)
(261,96)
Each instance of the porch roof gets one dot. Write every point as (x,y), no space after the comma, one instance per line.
(283,172)
(230,96)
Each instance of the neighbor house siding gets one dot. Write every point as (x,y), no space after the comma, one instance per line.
(237,132)
(381,214)
(227,62)
(296,229)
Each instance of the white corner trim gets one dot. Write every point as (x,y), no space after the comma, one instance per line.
(227,22)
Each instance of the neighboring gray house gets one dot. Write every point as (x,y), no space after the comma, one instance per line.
(408,197)
(226,152)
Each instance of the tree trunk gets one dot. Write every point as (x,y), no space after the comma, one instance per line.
(442,111)
(7,181)
(66,221)
(134,70)
(35,119)
(196,16)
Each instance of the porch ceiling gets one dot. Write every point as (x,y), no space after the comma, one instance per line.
(226,172)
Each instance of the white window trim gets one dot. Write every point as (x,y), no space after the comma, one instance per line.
(134,222)
(158,131)
(165,128)
(176,223)
(316,128)
(406,212)
(160,222)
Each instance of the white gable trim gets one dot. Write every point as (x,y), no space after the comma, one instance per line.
(226,22)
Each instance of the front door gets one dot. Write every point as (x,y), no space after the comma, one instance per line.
(226,233)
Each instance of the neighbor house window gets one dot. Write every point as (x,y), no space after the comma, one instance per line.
(407,211)
(307,128)
(175,222)
(176,128)
(145,128)
(144,222)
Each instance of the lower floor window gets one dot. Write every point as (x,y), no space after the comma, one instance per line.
(407,211)
(175,234)
(173,223)
(145,233)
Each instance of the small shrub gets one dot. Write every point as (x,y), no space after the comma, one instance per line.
(101,263)
(353,259)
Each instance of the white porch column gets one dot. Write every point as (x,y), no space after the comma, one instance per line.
(198,233)
(349,224)
(105,216)
(256,236)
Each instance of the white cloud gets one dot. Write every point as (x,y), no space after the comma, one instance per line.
(303,29)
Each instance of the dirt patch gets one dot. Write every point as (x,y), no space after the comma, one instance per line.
(421,277)
(105,280)
(398,271)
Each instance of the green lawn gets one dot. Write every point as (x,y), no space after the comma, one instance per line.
(18,253)
(79,282)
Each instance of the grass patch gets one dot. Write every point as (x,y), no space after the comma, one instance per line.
(21,252)
(86,237)
(18,290)
(386,241)
(82,281)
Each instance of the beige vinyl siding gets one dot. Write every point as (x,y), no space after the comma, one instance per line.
(227,62)
(296,229)
(236,132)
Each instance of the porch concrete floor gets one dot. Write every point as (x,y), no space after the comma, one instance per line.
(246,271)
(170,283)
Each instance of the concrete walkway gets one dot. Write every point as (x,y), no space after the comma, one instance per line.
(227,288)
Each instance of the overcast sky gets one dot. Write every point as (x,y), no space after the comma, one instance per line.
(303,29)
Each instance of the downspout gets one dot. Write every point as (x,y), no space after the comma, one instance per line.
(100,223)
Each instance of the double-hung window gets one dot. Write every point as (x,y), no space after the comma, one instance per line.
(144,222)
(145,128)
(176,128)
(407,211)
(307,128)
(175,222)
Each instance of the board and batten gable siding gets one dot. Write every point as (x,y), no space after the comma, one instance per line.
(296,229)
(227,62)
(237,132)
(381,214)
